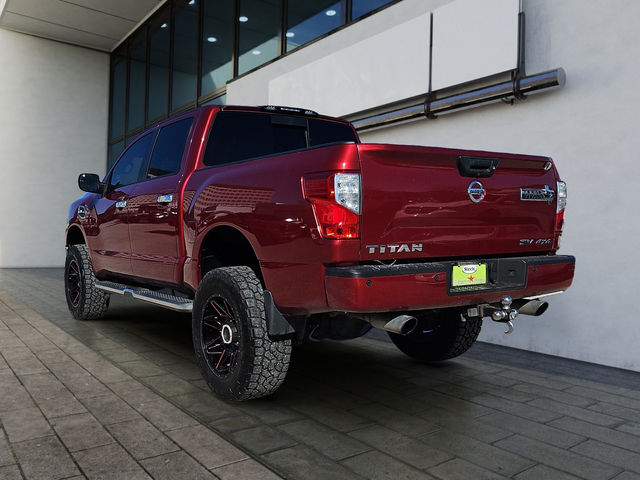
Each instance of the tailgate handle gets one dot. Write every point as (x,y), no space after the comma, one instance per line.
(477,167)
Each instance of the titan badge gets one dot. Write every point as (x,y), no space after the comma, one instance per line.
(399,248)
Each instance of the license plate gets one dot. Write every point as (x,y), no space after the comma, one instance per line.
(469,274)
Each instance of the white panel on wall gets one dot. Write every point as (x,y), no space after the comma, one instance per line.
(390,66)
(473,39)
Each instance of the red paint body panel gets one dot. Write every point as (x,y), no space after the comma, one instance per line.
(416,195)
(108,240)
(154,230)
(263,199)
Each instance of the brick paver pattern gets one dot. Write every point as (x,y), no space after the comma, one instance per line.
(123,398)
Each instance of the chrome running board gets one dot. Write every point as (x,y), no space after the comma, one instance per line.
(173,302)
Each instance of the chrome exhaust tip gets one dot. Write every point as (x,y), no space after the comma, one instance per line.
(402,325)
(398,324)
(534,308)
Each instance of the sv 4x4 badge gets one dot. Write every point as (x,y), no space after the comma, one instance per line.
(526,242)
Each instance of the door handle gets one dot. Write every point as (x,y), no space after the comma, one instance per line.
(165,198)
(121,204)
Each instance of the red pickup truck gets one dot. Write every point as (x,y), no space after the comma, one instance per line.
(275,225)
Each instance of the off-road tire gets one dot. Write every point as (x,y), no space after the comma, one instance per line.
(85,301)
(237,358)
(439,336)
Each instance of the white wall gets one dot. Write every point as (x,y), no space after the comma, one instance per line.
(53,126)
(590,128)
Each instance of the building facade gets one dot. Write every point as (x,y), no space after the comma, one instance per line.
(74,93)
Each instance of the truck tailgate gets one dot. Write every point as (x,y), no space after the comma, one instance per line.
(423,202)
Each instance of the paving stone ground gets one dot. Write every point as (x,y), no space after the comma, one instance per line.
(123,398)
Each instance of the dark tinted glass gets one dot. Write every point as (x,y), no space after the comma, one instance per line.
(185,49)
(237,136)
(136,86)
(127,170)
(158,70)
(309,19)
(322,132)
(167,154)
(119,86)
(217,44)
(258,33)
(362,7)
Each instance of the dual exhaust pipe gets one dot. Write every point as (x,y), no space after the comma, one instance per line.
(505,312)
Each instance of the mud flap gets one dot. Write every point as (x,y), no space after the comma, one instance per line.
(277,324)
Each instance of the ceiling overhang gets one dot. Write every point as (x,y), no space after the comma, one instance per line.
(96,24)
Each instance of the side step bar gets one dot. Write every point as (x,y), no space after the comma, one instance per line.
(173,302)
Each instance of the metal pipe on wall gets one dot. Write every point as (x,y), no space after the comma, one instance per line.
(518,88)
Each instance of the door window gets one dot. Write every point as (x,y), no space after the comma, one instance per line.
(167,154)
(127,170)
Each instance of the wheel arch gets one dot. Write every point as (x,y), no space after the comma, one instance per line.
(227,246)
(75,236)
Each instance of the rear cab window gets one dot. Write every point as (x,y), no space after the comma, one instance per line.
(240,136)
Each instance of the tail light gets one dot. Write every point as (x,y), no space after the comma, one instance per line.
(336,203)
(561,204)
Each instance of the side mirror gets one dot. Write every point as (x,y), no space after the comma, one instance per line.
(90,182)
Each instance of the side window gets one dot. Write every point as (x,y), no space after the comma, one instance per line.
(127,170)
(237,136)
(167,154)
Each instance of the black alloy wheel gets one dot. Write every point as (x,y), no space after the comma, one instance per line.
(220,336)
(74,285)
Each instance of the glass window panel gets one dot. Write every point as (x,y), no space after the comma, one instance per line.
(137,71)
(158,70)
(258,33)
(114,152)
(323,132)
(185,53)
(362,7)
(127,170)
(221,100)
(217,44)
(119,87)
(167,154)
(238,136)
(307,20)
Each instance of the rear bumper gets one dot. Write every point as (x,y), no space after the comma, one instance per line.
(424,286)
